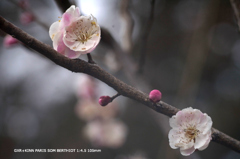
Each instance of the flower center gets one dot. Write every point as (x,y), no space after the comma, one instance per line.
(191,133)
(84,32)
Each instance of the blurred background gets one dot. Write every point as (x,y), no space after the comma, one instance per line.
(188,49)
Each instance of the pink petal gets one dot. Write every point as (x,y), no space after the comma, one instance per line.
(61,48)
(71,54)
(66,19)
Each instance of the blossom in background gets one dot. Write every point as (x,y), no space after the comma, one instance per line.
(26,18)
(74,35)
(85,87)
(9,41)
(191,129)
(88,109)
(110,133)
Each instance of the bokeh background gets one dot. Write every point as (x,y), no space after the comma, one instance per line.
(191,52)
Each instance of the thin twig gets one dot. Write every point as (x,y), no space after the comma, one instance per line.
(90,60)
(115,96)
(78,65)
(144,39)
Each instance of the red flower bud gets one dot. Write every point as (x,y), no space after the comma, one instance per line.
(104,100)
(155,96)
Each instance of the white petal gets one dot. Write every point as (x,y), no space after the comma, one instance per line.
(205,145)
(196,116)
(56,40)
(177,139)
(201,139)
(71,10)
(187,144)
(174,138)
(187,152)
(92,42)
(173,122)
(54,29)
(205,124)
(187,109)
(182,118)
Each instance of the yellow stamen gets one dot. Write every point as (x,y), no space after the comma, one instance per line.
(93,23)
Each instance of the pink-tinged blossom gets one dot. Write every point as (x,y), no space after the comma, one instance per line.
(86,87)
(74,35)
(26,18)
(110,133)
(155,96)
(191,130)
(9,41)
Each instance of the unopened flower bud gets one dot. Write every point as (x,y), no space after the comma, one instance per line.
(155,96)
(104,100)
(9,41)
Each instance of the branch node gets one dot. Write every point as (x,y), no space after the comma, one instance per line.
(90,60)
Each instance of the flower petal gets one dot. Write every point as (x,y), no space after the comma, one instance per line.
(174,138)
(205,145)
(71,54)
(201,140)
(205,123)
(69,16)
(73,11)
(177,139)
(187,152)
(56,40)
(54,29)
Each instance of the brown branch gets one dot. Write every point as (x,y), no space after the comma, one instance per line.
(236,8)
(78,65)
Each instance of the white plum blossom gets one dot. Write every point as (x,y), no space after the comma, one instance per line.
(191,130)
(74,35)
